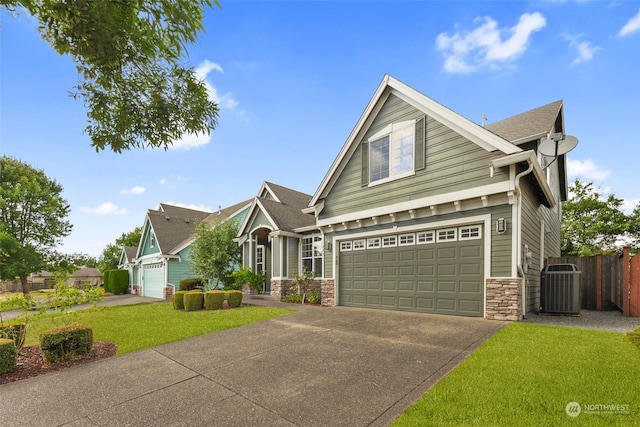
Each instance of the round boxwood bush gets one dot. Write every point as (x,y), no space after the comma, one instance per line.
(214,300)
(65,342)
(193,301)
(8,355)
(234,298)
(178,300)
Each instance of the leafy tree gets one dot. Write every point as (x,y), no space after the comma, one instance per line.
(32,219)
(592,221)
(214,254)
(128,55)
(111,253)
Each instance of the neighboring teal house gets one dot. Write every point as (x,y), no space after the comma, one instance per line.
(162,257)
(422,210)
(127,262)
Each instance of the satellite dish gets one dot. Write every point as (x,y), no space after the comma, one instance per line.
(553,147)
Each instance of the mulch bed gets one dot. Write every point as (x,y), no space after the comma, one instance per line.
(31,364)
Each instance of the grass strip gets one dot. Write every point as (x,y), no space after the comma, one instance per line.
(140,326)
(527,374)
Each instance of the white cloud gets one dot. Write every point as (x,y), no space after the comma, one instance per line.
(586,169)
(628,205)
(465,52)
(106,208)
(632,26)
(133,190)
(584,49)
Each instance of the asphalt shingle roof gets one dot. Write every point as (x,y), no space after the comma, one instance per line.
(528,125)
(172,225)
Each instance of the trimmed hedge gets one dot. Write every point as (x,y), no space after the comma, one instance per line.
(8,355)
(193,301)
(234,298)
(116,281)
(65,342)
(178,300)
(213,300)
(105,280)
(190,284)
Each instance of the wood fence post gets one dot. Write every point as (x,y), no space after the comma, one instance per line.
(626,283)
(598,282)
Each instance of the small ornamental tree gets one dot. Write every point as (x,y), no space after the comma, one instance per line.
(302,281)
(214,253)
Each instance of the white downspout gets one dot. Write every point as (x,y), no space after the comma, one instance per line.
(519,233)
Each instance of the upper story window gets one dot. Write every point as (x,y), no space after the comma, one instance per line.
(152,240)
(396,151)
(391,154)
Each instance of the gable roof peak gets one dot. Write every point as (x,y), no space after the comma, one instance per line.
(530,124)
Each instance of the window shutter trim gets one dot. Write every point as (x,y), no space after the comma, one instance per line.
(420,148)
(364,146)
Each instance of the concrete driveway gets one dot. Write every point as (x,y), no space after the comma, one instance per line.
(317,367)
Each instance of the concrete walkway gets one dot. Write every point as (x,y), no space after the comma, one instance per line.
(317,367)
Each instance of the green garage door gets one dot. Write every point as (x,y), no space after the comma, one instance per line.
(153,280)
(443,277)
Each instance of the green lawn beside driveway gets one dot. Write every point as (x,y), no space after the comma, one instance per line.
(136,327)
(527,375)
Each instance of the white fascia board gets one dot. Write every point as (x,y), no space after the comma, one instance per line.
(266,187)
(500,187)
(307,229)
(352,137)
(280,233)
(465,127)
(266,213)
(247,219)
(529,157)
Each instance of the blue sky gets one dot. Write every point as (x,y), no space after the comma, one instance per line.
(292,79)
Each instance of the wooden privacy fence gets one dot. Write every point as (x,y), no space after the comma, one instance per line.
(608,282)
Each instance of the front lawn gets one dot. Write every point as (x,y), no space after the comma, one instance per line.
(527,374)
(136,327)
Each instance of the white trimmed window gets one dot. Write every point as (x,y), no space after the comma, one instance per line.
(469,232)
(359,245)
(406,239)
(424,237)
(373,243)
(447,234)
(345,246)
(312,254)
(391,152)
(388,241)
(152,240)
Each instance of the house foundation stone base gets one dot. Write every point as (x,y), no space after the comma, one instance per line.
(168,293)
(327,293)
(283,287)
(504,298)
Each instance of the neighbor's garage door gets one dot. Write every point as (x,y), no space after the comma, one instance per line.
(435,271)
(153,280)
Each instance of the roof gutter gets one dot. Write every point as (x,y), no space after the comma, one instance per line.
(530,158)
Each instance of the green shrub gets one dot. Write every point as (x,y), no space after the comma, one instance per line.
(313,297)
(65,342)
(292,298)
(193,300)
(234,298)
(213,300)
(105,280)
(178,300)
(116,281)
(16,332)
(8,355)
(190,284)
(635,336)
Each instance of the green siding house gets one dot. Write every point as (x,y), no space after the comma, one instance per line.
(161,259)
(422,210)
